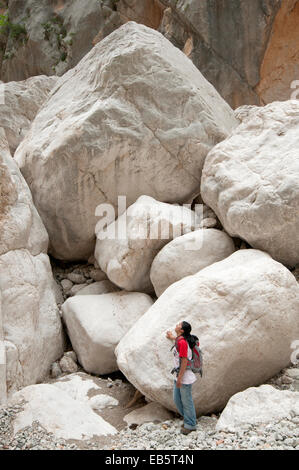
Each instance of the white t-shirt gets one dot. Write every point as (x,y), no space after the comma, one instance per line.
(188,376)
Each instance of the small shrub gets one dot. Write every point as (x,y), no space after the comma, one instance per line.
(17,31)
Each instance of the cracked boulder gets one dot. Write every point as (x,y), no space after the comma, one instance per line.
(127,248)
(30,324)
(188,254)
(134,117)
(244,310)
(251,180)
(258,405)
(20,104)
(96,324)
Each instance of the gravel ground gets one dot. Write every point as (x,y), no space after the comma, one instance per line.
(282,435)
(150,436)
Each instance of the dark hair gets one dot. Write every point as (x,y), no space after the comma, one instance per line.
(191,339)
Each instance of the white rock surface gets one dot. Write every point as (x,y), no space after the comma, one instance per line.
(258,405)
(187,255)
(29,315)
(102,401)
(58,413)
(151,413)
(20,224)
(77,385)
(97,288)
(96,323)
(251,180)
(126,248)
(139,121)
(20,104)
(244,310)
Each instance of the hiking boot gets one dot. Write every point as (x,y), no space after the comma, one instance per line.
(186,431)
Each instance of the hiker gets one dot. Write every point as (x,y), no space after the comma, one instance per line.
(182,389)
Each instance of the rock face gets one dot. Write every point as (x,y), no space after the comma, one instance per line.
(58,413)
(280,66)
(54,36)
(187,255)
(132,242)
(244,310)
(96,323)
(247,50)
(29,315)
(264,404)
(21,102)
(109,130)
(251,180)
(225,40)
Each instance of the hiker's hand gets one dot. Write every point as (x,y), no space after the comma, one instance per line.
(179,383)
(169,335)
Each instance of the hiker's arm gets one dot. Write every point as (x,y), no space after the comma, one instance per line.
(169,335)
(184,361)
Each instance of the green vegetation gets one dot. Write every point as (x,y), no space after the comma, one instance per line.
(55,28)
(16,31)
(56,33)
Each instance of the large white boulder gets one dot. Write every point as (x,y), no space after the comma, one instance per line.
(258,405)
(187,255)
(31,325)
(251,180)
(244,310)
(134,117)
(96,324)
(126,249)
(20,104)
(58,413)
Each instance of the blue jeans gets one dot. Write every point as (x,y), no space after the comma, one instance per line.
(182,398)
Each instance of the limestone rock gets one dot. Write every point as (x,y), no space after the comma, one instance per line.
(56,36)
(72,355)
(76,288)
(126,249)
(55,370)
(187,255)
(97,274)
(208,33)
(96,323)
(280,66)
(66,285)
(102,401)
(151,413)
(251,181)
(78,386)
(76,278)
(58,413)
(244,303)
(254,406)
(260,70)
(144,133)
(21,102)
(29,316)
(97,288)
(68,365)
